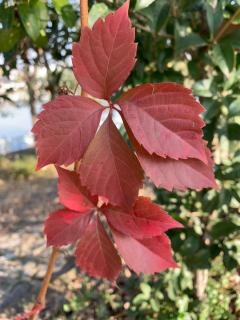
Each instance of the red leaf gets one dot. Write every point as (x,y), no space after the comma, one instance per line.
(164,118)
(145,220)
(72,194)
(96,254)
(64,227)
(105,55)
(65,128)
(110,169)
(178,174)
(147,255)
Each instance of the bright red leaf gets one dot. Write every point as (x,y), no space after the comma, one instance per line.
(105,55)
(165,120)
(177,174)
(147,255)
(64,227)
(65,128)
(145,220)
(110,169)
(96,254)
(72,194)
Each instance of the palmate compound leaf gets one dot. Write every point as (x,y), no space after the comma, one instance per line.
(65,128)
(110,169)
(72,194)
(145,220)
(65,226)
(164,118)
(106,54)
(177,174)
(95,253)
(148,255)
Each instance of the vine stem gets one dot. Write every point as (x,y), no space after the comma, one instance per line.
(40,301)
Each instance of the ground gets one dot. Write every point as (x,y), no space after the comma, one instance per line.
(23,255)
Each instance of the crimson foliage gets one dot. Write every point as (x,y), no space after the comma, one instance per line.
(165,129)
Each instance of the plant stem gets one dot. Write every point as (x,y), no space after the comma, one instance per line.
(226,25)
(45,284)
(42,293)
(84,13)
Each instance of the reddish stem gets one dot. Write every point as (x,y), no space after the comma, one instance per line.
(45,284)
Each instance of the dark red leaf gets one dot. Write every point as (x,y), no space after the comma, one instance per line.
(178,174)
(110,169)
(64,227)
(96,254)
(145,220)
(148,255)
(72,194)
(164,119)
(65,128)
(106,54)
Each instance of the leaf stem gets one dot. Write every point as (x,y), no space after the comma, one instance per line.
(42,293)
(55,252)
(84,13)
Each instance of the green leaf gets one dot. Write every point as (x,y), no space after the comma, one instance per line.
(9,38)
(200,259)
(66,11)
(69,15)
(235,195)
(208,205)
(34,16)
(223,57)
(162,16)
(191,40)
(233,38)
(157,14)
(141,4)
(234,108)
(233,131)
(6,15)
(223,229)
(205,88)
(228,261)
(212,108)
(98,10)
(190,245)
(146,290)
(233,173)
(214,16)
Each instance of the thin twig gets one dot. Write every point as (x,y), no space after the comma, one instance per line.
(225,26)
(42,293)
(45,284)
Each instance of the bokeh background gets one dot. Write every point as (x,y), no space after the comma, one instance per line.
(193,42)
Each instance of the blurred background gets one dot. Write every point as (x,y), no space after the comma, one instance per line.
(193,42)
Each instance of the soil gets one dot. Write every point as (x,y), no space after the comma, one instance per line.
(23,254)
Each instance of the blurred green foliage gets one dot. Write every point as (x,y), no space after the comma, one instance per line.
(194,42)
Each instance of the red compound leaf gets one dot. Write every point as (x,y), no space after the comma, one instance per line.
(64,227)
(72,194)
(105,55)
(147,255)
(110,169)
(65,128)
(96,254)
(145,220)
(178,174)
(165,120)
